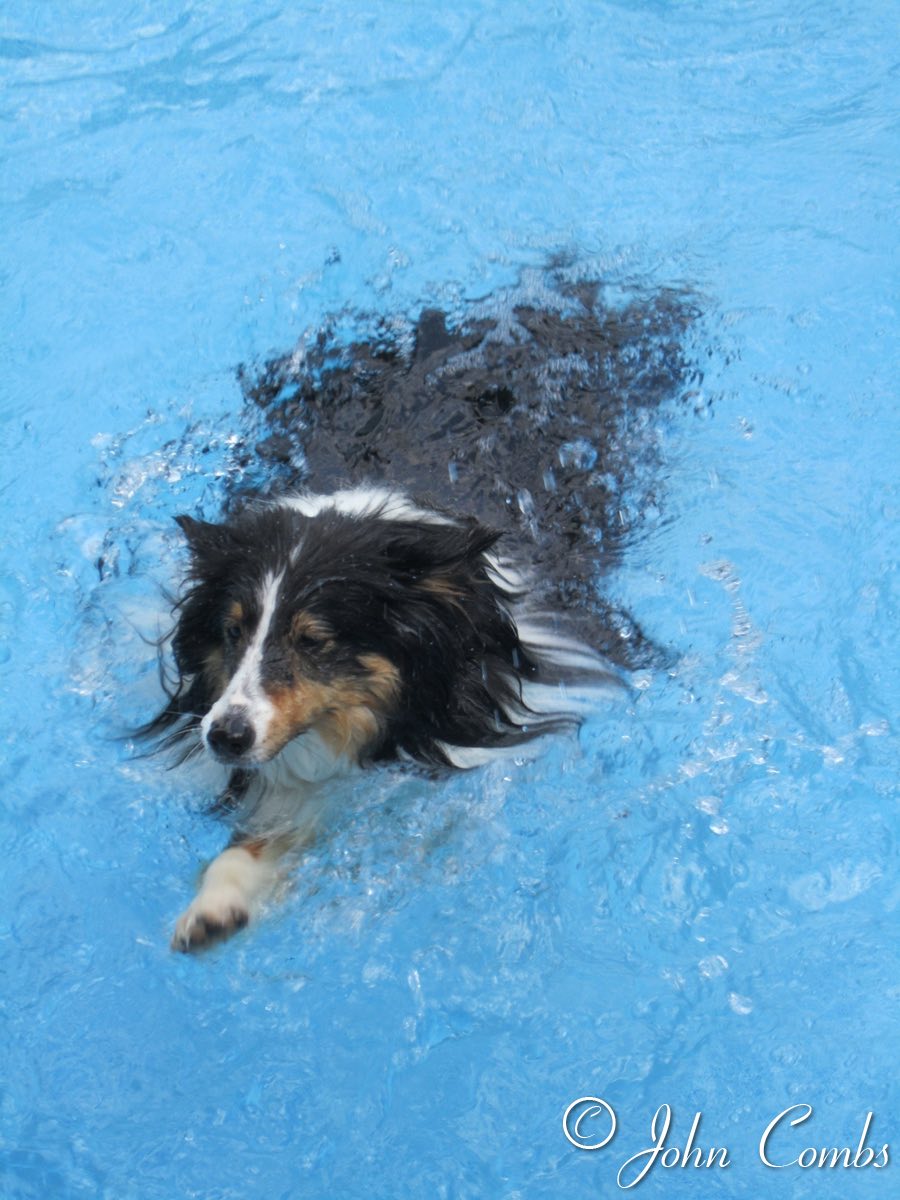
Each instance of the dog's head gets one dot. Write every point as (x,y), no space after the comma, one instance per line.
(351,625)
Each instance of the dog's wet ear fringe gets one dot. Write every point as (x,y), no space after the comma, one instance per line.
(175,727)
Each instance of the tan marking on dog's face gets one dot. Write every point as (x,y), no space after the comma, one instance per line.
(383,679)
(306,626)
(234,614)
(349,732)
(347,713)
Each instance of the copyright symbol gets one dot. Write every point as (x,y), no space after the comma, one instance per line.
(583,1111)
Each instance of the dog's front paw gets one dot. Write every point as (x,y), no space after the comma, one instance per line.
(216,914)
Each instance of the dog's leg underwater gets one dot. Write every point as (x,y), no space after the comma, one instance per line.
(232,890)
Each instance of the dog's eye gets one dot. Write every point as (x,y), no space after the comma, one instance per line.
(233,631)
(309,633)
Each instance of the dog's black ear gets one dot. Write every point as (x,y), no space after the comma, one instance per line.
(198,533)
(204,539)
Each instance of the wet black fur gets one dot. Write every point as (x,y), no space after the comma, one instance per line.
(457,650)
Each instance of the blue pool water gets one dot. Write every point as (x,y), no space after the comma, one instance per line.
(696,903)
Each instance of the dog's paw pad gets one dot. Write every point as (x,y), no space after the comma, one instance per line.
(209,919)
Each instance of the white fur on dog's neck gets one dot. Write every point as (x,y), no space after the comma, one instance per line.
(307,759)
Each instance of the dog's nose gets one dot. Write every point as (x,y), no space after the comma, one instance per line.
(231,735)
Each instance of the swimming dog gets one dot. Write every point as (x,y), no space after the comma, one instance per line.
(319,634)
(324,628)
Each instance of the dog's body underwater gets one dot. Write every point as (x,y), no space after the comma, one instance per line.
(321,633)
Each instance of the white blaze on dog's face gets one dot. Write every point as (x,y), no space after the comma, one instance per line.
(283,674)
(237,725)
